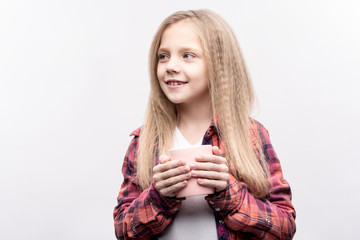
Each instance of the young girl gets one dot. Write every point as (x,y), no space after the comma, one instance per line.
(201,94)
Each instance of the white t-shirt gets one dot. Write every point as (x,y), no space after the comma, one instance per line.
(195,219)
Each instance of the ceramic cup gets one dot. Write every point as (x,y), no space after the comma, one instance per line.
(188,154)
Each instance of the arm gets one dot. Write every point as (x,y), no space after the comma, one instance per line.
(140,214)
(266,218)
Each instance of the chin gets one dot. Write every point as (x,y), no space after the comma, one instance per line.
(176,102)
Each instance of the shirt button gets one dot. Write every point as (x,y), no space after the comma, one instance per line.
(268,220)
(217,209)
(221,222)
(211,202)
(133,229)
(177,200)
(176,209)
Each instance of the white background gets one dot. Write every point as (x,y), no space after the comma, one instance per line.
(74,84)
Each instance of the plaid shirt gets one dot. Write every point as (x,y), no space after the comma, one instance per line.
(239,215)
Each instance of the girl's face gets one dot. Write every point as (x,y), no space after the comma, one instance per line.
(182,70)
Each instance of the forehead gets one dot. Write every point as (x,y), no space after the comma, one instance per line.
(183,32)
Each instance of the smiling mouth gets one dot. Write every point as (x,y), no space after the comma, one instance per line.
(175,83)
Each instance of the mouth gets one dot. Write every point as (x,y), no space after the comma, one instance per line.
(175,82)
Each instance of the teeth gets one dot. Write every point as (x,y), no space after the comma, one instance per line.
(172,83)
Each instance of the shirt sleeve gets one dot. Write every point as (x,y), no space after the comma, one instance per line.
(272,217)
(140,214)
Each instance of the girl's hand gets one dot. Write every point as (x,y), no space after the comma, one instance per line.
(211,170)
(170,176)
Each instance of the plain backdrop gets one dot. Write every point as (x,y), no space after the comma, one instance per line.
(74,84)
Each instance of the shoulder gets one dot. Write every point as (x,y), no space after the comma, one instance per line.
(257,129)
(134,144)
(129,165)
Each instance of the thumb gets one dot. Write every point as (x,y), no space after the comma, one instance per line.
(164,158)
(216,151)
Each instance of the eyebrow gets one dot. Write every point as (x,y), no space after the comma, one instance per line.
(183,49)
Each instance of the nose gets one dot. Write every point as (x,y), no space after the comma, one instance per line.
(172,66)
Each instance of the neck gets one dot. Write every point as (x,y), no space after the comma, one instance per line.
(194,120)
(194,114)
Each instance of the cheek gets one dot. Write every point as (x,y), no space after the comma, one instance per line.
(198,72)
(160,72)
(160,77)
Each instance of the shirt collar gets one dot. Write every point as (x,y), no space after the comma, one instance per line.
(136,132)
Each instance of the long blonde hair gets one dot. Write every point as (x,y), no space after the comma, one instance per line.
(232,99)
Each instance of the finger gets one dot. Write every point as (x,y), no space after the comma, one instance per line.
(210,175)
(168,165)
(160,176)
(217,184)
(209,166)
(172,190)
(216,151)
(210,158)
(164,158)
(172,181)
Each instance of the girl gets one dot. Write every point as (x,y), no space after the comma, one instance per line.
(201,93)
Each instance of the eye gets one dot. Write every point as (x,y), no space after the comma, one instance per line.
(189,56)
(162,56)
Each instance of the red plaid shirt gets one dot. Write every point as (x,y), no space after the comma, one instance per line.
(239,215)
